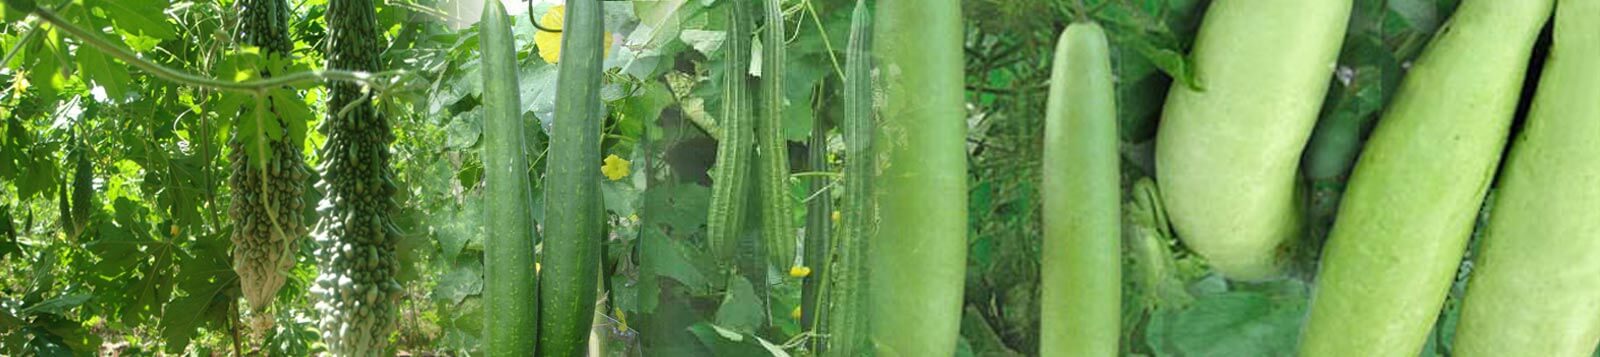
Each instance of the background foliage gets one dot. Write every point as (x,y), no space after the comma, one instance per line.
(111,179)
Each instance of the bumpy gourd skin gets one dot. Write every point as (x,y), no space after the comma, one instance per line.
(1416,191)
(355,289)
(267,200)
(1534,285)
(1228,154)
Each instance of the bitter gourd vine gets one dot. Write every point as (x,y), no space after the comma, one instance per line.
(355,290)
(510,288)
(267,189)
(734,151)
(574,215)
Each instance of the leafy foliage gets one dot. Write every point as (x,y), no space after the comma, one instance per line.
(113,234)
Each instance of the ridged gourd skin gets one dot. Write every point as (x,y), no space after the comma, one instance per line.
(1228,154)
(268,200)
(735,154)
(844,320)
(356,291)
(777,215)
(917,258)
(1081,261)
(574,216)
(1416,190)
(1533,289)
(510,288)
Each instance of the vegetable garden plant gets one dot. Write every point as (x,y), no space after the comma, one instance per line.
(800,177)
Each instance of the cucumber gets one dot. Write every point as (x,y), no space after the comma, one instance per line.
(1228,154)
(574,214)
(777,215)
(734,150)
(1532,291)
(843,321)
(1081,263)
(509,286)
(1416,190)
(917,259)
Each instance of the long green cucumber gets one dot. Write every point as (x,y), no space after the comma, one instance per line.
(1416,190)
(1081,263)
(1533,290)
(509,286)
(1228,154)
(574,216)
(777,217)
(843,321)
(918,253)
(734,150)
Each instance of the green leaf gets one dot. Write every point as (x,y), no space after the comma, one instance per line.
(740,311)
(1260,320)
(57,305)
(292,113)
(104,72)
(671,263)
(727,342)
(138,16)
(14,10)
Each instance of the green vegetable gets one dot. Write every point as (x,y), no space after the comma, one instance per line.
(510,288)
(918,252)
(1081,263)
(819,220)
(268,190)
(1228,154)
(574,215)
(843,319)
(1533,289)
(1416,189)
(734,150)
(355,288)
(777,218)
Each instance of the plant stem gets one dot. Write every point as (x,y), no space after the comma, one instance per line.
(258,86)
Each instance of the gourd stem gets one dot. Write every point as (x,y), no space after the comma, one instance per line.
(257,87)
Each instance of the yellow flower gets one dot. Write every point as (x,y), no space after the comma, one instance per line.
(800,271)
(835,217)
(796,313)
(622,320)
(550,42)
(615,167)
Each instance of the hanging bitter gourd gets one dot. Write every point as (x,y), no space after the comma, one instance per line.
(734,151)
(355,290)
(267,194)
(574,216)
